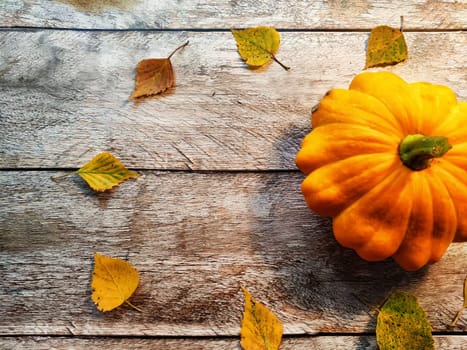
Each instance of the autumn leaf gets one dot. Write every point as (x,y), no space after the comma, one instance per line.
(459,313)
(154,76)
(386,46)
(402,324)
(113,282)
(261,330)
(258,46)
(105,171)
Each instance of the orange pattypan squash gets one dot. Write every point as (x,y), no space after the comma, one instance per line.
(387,160)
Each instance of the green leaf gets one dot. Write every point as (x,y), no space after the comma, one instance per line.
(257,46)
(105,171)
(386,46)
(402,324)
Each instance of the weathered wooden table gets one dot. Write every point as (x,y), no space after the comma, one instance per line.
(218,204)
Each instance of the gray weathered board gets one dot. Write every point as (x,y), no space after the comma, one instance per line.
(225,14)
(218,202)
(64,96)
(365,342)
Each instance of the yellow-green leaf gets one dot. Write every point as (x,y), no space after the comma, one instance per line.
(402,324)
(459,313)
(105,171)
(113,282)
(261,330)
(386,46)
(258,46)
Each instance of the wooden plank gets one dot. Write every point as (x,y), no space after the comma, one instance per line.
(456,342)
(165,14)
(64,96)
(195,238)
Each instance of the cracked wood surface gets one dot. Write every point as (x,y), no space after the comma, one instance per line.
(195,238)
(64,96)
(226,14)
(218,205)
(309,343)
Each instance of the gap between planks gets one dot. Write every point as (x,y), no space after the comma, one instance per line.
(221,30)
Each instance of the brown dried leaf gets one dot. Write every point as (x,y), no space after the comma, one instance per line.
(154,76)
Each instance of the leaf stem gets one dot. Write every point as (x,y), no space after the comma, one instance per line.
(456,319)
(59,177)
(279,62)
(178,48)
(133,306)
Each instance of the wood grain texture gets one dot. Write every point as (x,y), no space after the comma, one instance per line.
(195,238)
(225,14)
(310,343)
(64,96)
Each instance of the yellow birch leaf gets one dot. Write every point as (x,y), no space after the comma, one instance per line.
(386,46)
(154,76)
(105,171)
(402,324)
(258,46)
(113,282)
(459,313)
(261,330)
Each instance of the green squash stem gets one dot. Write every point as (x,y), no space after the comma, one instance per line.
(417,151)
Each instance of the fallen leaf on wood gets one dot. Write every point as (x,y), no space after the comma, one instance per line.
(459,313)
(261,330)
(258,46)
(113,282)
(154,76)
(105,171)
(386,46)
(402,324)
